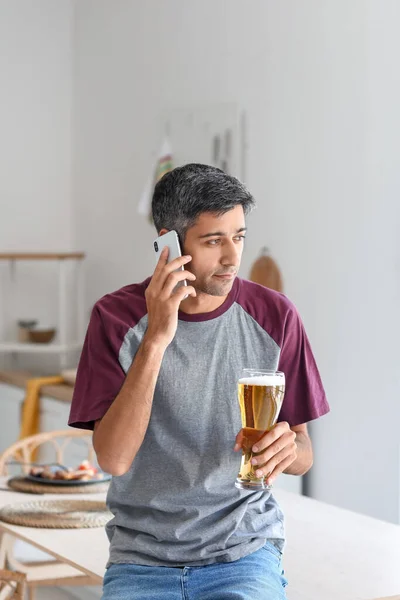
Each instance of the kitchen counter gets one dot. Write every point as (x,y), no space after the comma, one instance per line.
(61,392)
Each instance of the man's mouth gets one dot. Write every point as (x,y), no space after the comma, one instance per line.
(226,276)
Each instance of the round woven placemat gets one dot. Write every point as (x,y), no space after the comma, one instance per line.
(20,484)
(57,514)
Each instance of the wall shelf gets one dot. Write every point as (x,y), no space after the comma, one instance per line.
(62,346)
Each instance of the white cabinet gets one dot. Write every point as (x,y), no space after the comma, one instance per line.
(54,416)
(11,399)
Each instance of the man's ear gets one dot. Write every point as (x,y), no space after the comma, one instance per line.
(162,231)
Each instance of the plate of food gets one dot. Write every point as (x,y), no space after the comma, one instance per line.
(84,474)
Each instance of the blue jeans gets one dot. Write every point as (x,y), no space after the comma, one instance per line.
(258,576)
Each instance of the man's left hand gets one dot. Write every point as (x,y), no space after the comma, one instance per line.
(277,448)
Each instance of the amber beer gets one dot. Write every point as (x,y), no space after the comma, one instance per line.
(260,398)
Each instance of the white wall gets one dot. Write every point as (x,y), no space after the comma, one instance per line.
(35,124)
(319,83)
(35,146)
(359,461)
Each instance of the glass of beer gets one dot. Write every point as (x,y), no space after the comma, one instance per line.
(260,398)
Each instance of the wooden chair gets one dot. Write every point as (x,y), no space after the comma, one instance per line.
(50,572)
(12,585)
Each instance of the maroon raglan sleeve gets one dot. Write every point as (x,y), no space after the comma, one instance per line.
(305,397)
(100,375)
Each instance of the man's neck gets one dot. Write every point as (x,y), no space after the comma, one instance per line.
(203,303)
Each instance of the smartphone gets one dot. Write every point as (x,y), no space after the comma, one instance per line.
(171,240)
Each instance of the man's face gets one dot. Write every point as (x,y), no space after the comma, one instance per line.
(215,244)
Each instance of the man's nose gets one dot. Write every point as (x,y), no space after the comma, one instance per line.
(231,255)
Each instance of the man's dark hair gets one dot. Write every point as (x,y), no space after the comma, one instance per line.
(185,192)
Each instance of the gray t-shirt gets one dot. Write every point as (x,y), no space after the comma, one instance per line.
(178,505)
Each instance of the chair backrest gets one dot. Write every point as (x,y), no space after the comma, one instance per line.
(12,585)
(22,451)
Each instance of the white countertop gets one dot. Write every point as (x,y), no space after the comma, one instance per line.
(336,554)
(331,554)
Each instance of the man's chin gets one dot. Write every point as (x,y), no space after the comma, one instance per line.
(218,288)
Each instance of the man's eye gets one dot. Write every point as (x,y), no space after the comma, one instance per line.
(240,238)
(213,242)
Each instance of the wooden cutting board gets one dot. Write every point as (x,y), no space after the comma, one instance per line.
(266,272)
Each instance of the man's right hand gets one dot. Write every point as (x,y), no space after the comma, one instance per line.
(162,301)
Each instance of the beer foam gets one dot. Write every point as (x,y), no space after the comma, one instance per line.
(263,380)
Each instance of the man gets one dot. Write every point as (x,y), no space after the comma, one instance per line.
(157,381)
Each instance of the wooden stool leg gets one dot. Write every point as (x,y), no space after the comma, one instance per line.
(31,592)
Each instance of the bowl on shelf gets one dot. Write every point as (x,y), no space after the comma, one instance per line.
(41,336)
